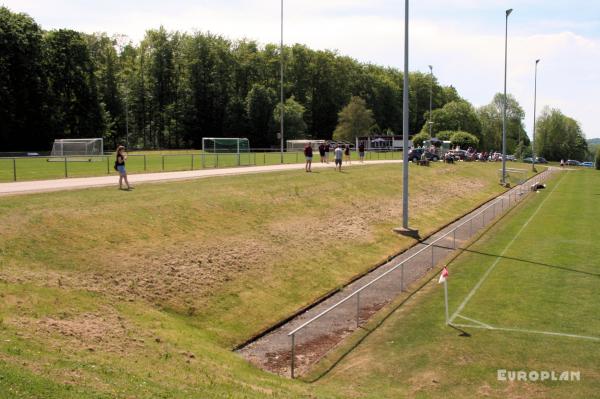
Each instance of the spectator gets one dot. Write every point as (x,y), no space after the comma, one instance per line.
(361,151)
(322,152)
(347,154)
(120,167)
(338,157)
(308,154)
(327,152)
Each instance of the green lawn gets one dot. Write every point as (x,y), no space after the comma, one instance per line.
(144,294)
(544,278)
(40,168)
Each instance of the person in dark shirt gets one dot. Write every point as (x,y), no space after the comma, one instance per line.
(326,152)
(120,167)
(361,151)
(347,154)
(322,152)
(308,154)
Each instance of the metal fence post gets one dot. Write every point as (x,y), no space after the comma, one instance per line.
(239,160)
(297,153)
(192,161)
(357,309)
(145,162)
(264,158)
(293,356)
(66,173)
(107,166)
(203,160)
(163,162)
(15,169)
(217,163)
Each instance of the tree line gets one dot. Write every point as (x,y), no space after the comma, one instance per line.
(174,88)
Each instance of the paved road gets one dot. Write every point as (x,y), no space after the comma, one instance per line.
(28,187)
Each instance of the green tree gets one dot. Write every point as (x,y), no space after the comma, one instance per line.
(354,120)
(559,136)
(491,124)
(598,158)
(455,116)
(293,119)
(73,88)
(259,111)
(445,135)
(464,140)
(24,122)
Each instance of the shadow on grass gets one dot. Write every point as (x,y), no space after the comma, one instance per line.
(463,333)
(532,262)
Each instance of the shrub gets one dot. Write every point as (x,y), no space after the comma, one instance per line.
(418,139)
(598,158)
(464,140)
(445,135)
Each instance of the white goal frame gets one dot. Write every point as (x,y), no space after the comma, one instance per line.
(78,147)
(237,141)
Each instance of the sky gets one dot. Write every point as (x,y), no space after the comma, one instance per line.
(462,39)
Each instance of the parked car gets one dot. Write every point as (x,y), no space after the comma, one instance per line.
(528,160)
(458,154)
(415,155)
(540,160)
(587,164)
(572,162)
(511,158)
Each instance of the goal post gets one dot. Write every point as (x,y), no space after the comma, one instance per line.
(230,145)
(78,147)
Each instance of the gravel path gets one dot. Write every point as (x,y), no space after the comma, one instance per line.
(28,187)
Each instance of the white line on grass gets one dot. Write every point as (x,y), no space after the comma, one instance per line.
(489,270)
(475,321)
(521,330)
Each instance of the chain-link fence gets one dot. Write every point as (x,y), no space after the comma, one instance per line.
(318,330)
(51,167)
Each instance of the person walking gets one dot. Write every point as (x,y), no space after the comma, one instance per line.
(308,154)
(322,152)
(361,151)
(120,167)
(327,152)
(347,154)
(338,157)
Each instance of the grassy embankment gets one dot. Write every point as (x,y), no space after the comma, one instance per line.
(143,294)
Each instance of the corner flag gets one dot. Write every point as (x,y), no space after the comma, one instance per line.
(443,276)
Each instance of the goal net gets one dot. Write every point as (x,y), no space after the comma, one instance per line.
(225,145)
(77,147)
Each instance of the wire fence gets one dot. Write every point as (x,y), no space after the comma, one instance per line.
(321,332)
(51,167)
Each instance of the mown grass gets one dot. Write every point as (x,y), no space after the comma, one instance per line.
(40,168)
(547,280)
(60,253)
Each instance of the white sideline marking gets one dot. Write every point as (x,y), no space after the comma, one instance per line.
(475,321)
(521,330)
(489,270)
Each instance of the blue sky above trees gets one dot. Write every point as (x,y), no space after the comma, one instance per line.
(462,39)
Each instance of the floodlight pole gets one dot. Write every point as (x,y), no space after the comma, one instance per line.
(281,114)
(405,125)
(430,99)
(508,12)
(534,111)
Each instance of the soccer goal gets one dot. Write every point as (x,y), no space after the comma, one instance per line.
(78,147)
(514,176)
(228,145)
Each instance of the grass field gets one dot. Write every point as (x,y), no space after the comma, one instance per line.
(40,168)
(144,293)
(534,278)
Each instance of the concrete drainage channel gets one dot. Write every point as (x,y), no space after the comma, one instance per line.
(293,347)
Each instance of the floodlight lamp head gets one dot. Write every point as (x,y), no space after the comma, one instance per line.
(431,67)
(508,12)
(537,61)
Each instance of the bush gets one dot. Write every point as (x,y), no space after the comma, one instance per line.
(418,139)
(445,135)
(598,158)
(464,140)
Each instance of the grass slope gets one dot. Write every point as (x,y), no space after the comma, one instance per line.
(548,279)
(142,294)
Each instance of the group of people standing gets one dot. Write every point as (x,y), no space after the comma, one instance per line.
(341,152)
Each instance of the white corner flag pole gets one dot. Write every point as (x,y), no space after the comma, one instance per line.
(444,279)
